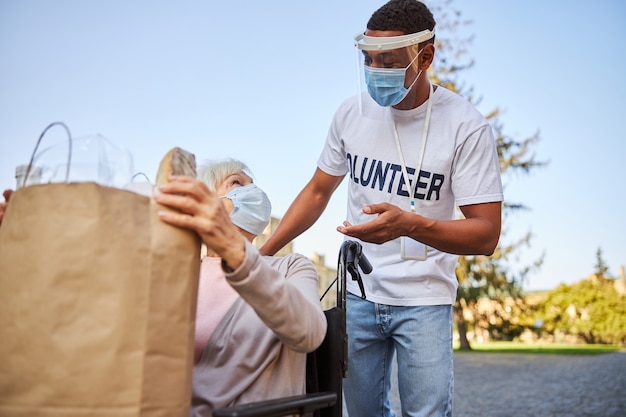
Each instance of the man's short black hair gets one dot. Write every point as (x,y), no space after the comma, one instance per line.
(408,16)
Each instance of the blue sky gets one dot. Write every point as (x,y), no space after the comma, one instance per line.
(260,81)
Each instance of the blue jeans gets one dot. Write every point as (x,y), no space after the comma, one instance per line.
(422,338)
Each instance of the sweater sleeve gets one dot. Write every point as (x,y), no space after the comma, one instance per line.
(284,294)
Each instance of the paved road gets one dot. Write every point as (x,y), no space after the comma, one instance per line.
(526,385)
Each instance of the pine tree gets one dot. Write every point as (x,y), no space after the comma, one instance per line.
(600,268)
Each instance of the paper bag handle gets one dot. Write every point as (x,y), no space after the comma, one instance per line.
(69,151)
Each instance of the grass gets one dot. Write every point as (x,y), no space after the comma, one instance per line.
(539,348)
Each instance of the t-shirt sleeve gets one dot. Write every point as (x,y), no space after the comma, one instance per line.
(333,160)
(476,175)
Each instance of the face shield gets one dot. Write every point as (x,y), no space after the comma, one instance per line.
(387,69)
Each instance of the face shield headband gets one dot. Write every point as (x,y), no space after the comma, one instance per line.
(378,43)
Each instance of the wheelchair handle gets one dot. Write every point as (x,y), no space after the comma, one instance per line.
(350,256)
(365,264)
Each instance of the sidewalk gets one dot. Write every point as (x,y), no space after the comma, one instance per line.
(527,385)
(494,385)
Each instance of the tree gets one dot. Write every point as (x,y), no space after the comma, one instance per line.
(591,310)
(482,276)
(601,268)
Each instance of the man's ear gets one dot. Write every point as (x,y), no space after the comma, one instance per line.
(427,56)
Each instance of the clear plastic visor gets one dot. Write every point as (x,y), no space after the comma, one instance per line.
(381,43)
(386,68)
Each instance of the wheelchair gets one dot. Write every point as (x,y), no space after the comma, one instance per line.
(327,366)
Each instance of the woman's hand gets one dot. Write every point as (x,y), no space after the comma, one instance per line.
(3,205)
(196,208)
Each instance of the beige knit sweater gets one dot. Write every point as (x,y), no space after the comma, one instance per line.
(258,350)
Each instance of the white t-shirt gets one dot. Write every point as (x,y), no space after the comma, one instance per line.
(460,167)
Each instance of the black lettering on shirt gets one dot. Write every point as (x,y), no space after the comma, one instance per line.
(387,177)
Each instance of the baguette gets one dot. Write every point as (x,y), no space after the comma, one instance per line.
(176,162)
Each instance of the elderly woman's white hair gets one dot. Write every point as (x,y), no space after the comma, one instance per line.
(213,173)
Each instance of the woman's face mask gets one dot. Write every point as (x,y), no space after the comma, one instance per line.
(386,85)
(251,208)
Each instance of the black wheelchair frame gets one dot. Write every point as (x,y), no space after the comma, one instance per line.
(327,366)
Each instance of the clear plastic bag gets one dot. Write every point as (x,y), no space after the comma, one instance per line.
(91,158)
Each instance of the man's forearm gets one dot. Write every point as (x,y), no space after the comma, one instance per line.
(303,212)
(293,224)
(459,237)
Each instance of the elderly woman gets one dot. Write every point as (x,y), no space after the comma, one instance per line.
(257,316)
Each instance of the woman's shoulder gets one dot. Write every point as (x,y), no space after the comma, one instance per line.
(290,261)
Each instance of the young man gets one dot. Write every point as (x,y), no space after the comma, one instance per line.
(413,151)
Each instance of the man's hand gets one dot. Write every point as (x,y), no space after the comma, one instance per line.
(388,225)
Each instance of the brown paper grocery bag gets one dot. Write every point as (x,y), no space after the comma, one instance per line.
(97,305)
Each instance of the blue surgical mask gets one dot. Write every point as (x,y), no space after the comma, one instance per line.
(252,208)
(386,85)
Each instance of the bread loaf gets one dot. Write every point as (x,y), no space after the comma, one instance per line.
(176,162)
